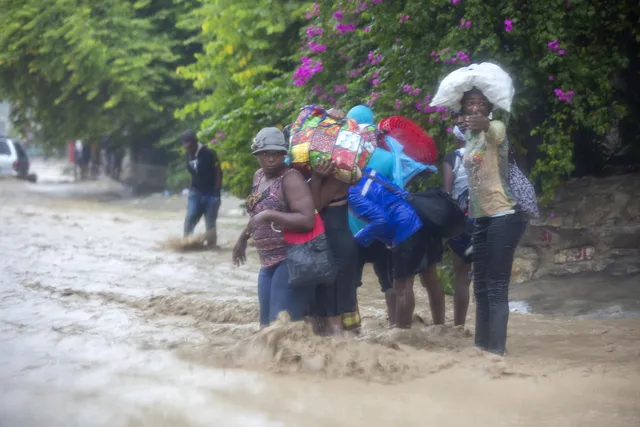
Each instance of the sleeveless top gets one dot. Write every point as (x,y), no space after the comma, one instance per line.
(270,243)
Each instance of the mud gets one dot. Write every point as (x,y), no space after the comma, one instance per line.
(102,324)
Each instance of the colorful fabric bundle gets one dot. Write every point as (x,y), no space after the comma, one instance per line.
(315,136)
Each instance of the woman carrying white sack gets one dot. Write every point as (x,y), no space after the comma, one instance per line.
(499,223)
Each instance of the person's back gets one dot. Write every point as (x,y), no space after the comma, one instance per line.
(204,167)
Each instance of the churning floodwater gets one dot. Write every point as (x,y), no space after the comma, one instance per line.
(102,323)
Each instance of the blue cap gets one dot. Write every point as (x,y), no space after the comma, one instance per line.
(361,114)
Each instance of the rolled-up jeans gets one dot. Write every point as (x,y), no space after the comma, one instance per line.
(494,243)
(201,204)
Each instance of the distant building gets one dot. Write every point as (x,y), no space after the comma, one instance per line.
(5,123)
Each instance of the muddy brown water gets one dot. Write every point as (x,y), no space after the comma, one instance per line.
(102,325)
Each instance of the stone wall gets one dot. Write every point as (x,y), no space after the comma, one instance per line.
(593,225)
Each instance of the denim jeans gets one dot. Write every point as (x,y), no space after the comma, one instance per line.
(275,295)
(494,244)
(200,204)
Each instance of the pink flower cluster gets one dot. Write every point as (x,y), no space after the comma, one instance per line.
(317,90)
(315,11)
(508,25)
(374,59)
(338,15)
(455,2)
(314,31)
(367,29)
(564,96)
(354,73)
(374,79)
(555,46)
(460,57)
(340,88)
(361,7)
(404,18)
(398,104)
(345,28)
(374,97)
(409,90)
(306,71)
(464,23)
(316,47)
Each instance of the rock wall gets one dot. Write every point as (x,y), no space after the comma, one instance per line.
(593,225)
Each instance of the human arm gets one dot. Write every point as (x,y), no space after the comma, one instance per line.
(324,187)
(447,172)
(217,172)
(301,215)
(239,253)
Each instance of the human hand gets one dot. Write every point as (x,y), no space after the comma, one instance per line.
(460,122)
(323,168)
(239,253)
(477,123)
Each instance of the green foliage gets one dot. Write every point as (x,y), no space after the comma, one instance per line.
(245,67)
(252,51)
(80,69)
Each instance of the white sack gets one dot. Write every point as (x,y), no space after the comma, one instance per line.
(492,80)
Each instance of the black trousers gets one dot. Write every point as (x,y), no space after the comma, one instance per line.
(494,244)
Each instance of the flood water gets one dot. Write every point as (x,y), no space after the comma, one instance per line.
(103,324)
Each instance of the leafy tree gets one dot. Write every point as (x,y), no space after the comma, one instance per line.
(80,69)
(567,59)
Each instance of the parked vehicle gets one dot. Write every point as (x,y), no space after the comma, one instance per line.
(14,160)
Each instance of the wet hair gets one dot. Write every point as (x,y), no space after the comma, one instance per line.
(188,136)
(474,91)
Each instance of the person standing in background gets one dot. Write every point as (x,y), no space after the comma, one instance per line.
(206,179)
(455,183)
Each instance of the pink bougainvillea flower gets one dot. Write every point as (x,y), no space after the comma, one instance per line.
(317,90)
(508,25)
(551,77)
(361,7)
(433,53)
(279,106)
(307,69)
(367,29)
(455,2)
(553,45)
(467,24)
(404,18)
(564,96)
(561,52)
(419,105)
(450,129)
(345,28)
(338,15)
(375,82)
(398,105)
(340,88)
(317,48)
(416,92)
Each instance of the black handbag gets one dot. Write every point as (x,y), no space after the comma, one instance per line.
(309,259)
(440,212)
(436,209)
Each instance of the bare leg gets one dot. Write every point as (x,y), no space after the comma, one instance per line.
(390,298)
(405,302)
(461,298)
(334,326)
(430,281)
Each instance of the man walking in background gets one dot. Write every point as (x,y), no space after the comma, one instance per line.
(204,194)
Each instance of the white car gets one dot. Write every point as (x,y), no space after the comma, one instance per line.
(13,159)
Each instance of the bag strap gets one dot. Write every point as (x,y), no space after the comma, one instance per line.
(388,186)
